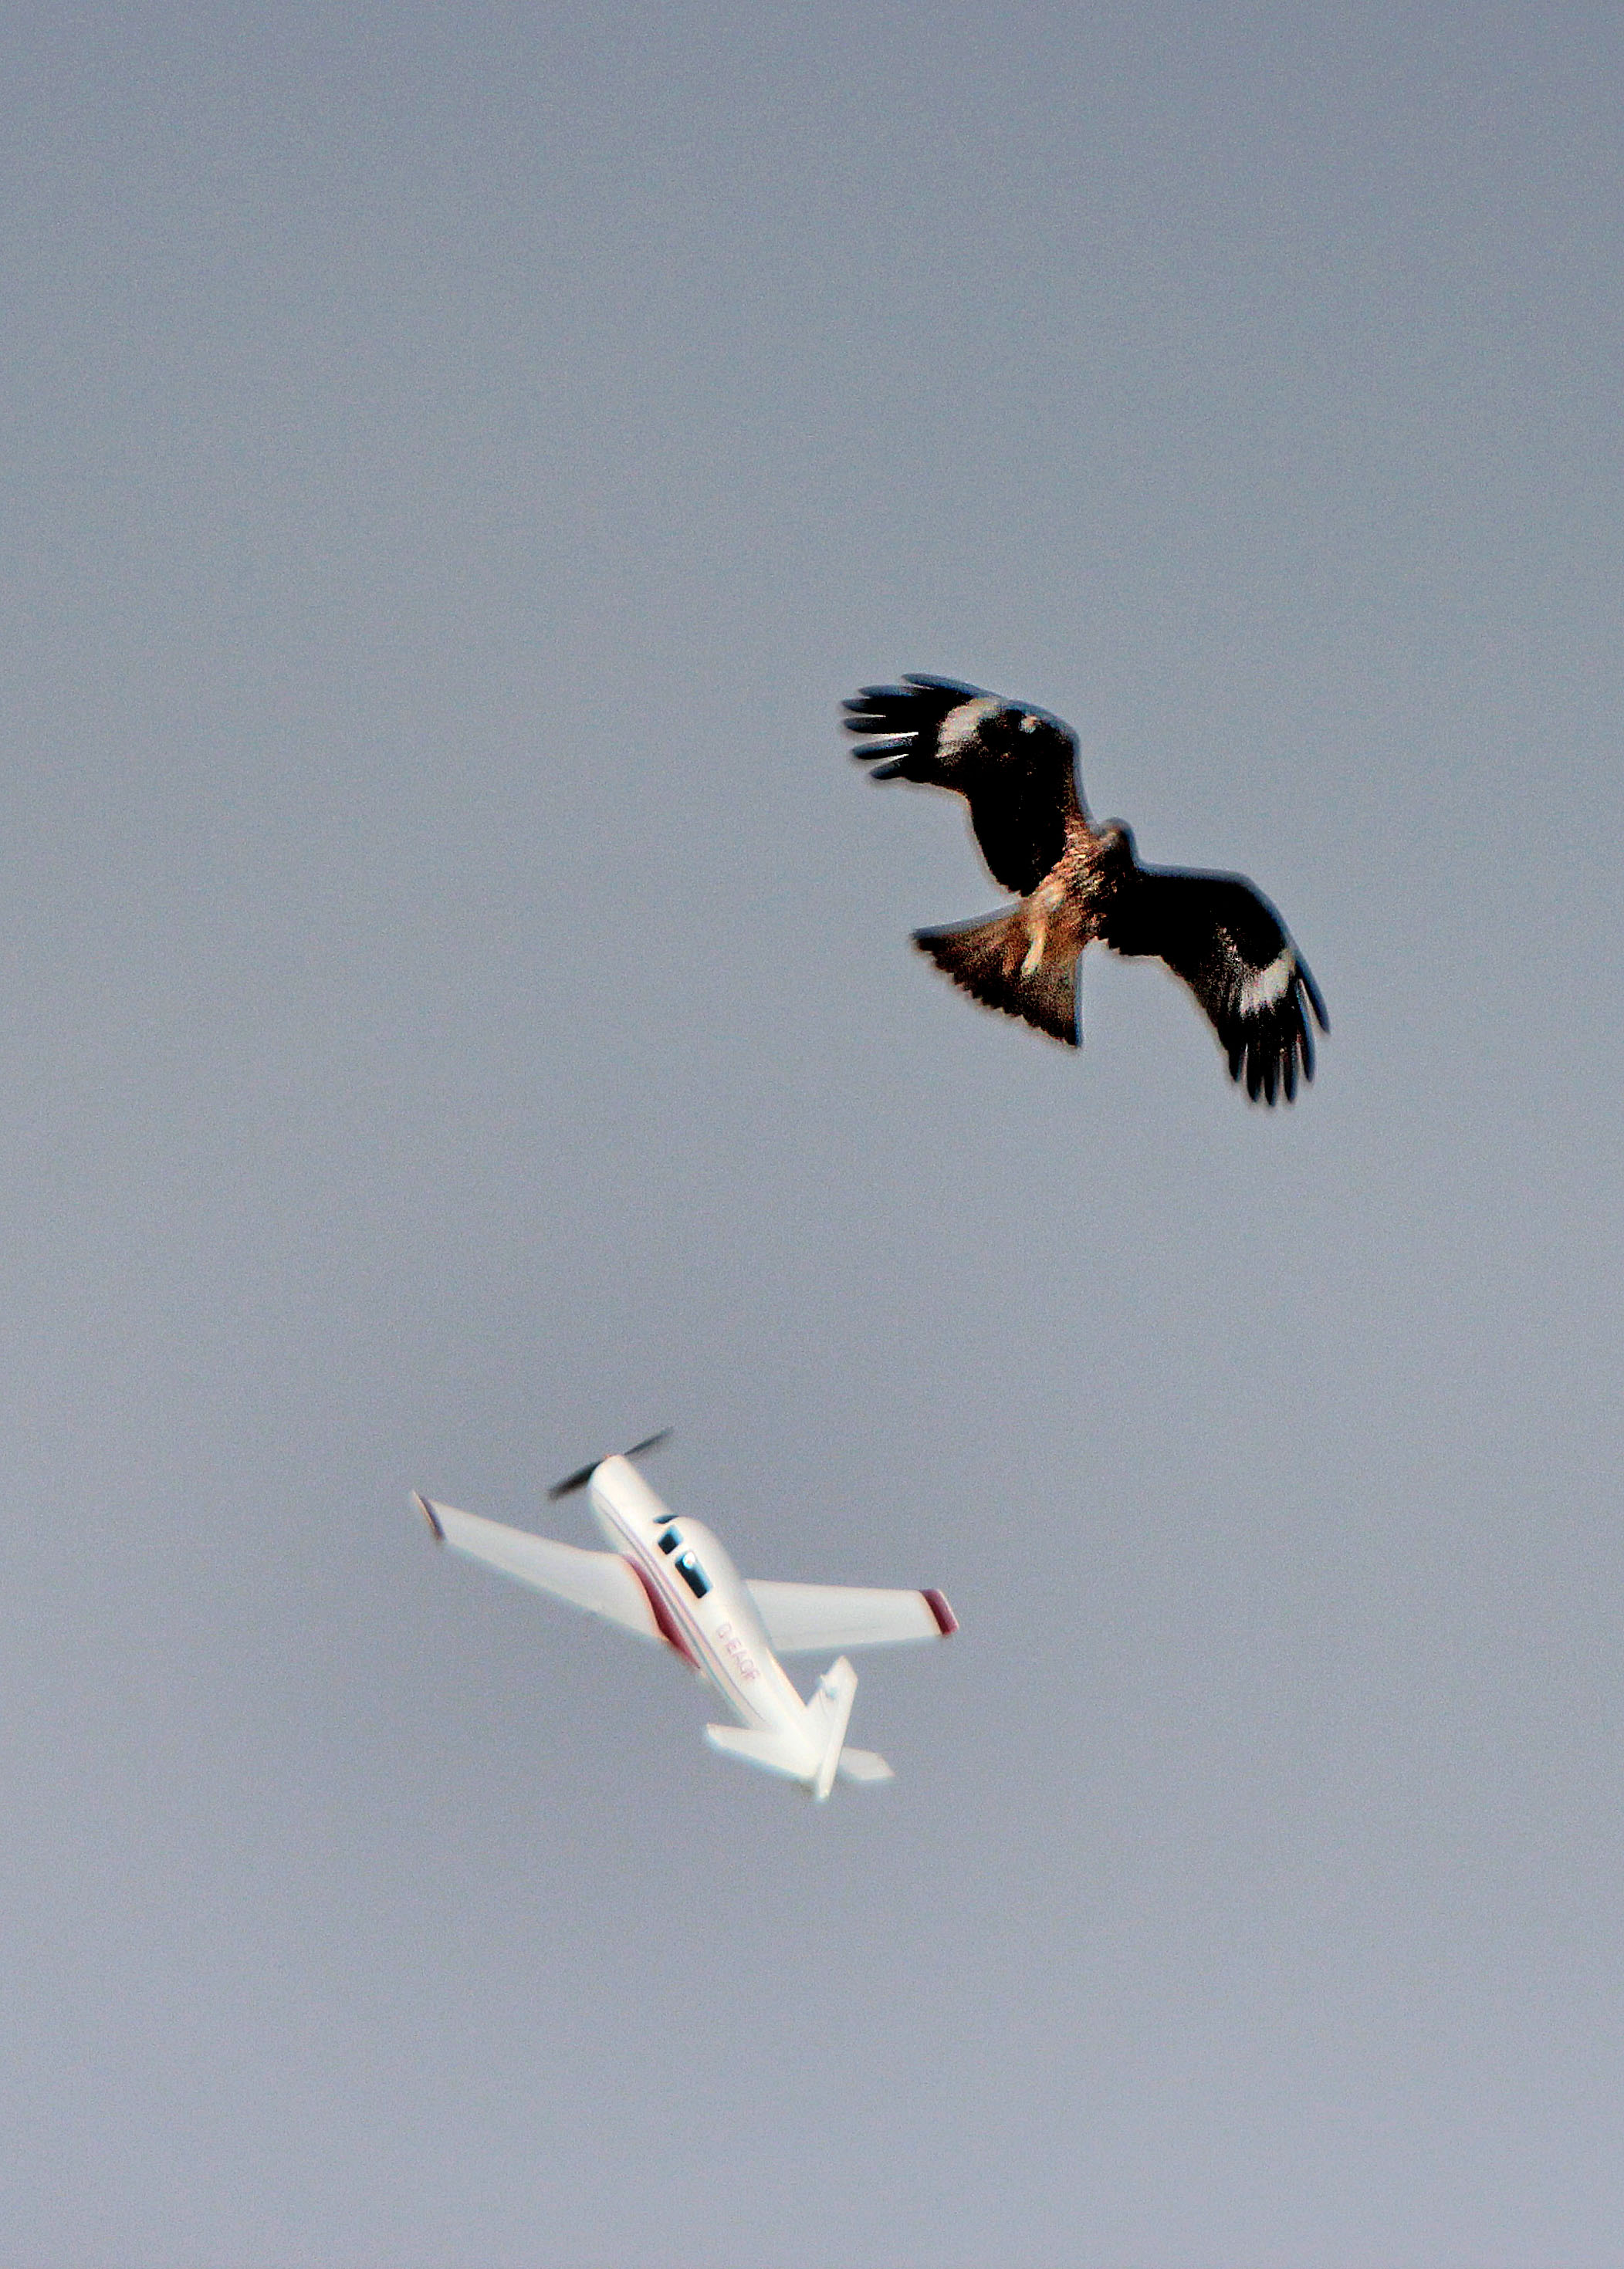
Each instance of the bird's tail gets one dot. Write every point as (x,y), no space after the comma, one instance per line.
(989,960)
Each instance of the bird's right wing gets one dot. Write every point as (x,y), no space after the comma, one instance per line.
(824,1618)
(1220,934)
(600,1583)
(1016,768)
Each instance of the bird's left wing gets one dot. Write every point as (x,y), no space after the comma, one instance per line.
(1016,768)
(1221,936)
(813,1618)
(600,1583)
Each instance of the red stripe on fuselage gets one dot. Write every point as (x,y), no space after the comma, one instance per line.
(685,1632)
(669,1629)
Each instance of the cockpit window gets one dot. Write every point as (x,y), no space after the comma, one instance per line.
(670,1542)
(688,1569)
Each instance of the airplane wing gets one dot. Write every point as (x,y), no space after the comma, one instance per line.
(812,1618)
(600,1582)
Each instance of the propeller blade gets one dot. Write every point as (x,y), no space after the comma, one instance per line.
(580,1479)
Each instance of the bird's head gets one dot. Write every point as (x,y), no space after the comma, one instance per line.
(1117,854)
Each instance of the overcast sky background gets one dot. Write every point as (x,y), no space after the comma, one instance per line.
(458,1016)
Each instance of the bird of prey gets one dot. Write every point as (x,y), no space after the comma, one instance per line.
(1016,769)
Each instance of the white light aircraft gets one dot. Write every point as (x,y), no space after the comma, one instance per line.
(667,1579)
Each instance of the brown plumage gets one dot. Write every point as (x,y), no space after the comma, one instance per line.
(1016,768)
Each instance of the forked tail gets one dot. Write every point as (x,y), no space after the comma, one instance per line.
(992,961)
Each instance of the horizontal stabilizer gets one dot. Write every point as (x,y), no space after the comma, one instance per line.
(864,1766)
(792,1759)
(773,1752)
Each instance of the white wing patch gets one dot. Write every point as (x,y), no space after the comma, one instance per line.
(962,724)
(1266,986)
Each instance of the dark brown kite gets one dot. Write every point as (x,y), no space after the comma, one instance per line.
(1016,768)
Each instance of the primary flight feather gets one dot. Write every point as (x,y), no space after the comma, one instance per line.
(1016,768)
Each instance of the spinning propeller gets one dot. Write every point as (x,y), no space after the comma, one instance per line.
(580,1479)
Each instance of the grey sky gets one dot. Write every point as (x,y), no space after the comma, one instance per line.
(458,1016)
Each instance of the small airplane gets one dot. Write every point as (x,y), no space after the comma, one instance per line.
(670,1581)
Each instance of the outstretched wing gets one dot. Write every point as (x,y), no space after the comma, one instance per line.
(813,1618)
(1016,768)
(1234,952)
(601,1583)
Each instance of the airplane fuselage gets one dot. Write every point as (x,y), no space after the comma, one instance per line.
(697,1598)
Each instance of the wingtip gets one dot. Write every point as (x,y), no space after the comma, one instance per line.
(928,681)
(429,1515)
(947,1621)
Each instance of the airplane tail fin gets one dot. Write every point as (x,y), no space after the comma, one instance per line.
(830,1713)
(988,960)
(815,1761)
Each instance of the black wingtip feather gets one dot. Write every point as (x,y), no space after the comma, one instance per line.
(1315,1001)
(927,683)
